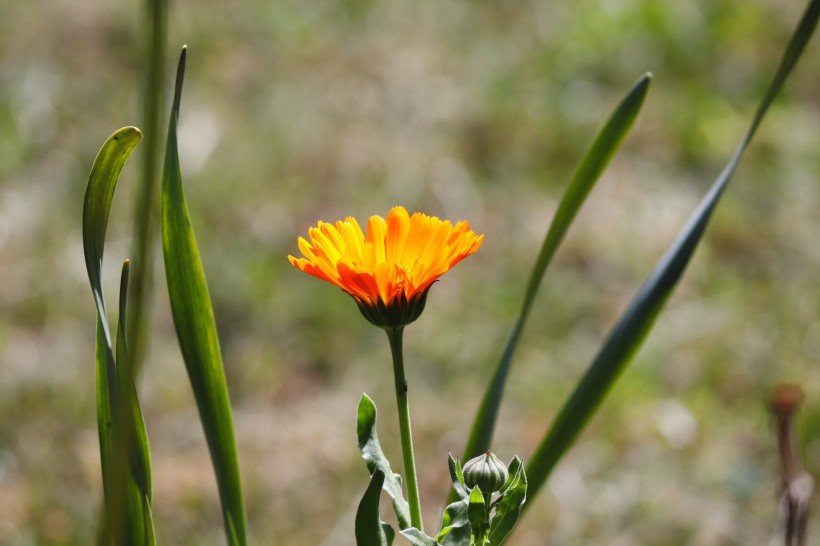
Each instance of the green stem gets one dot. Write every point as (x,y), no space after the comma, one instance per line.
(146,211)
(395,337)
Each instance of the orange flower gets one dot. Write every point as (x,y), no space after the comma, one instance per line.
(388,271)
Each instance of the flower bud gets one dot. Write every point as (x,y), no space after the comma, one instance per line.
(487,472)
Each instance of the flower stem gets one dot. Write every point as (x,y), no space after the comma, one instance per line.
(394,335)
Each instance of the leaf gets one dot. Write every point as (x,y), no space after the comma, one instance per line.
(375,458)
(509,508)
(96,207)
(589,170)
(458,535)
(389,533)
(196,329)
(369,530)
(125,460)
(105,377)
(417,538)
(455,525)
(141,454)
(628,334)
(130,437)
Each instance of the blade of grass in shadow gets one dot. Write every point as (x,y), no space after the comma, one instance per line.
(587,174)
(147,206)
(126,521)
(633,326)
(196,330)
(132,459)
(137,444)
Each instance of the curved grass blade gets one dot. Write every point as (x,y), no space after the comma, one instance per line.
(369,530)
(633,326)
(607,142)
(375,459)
(196,330)
(123,443)
(97,204)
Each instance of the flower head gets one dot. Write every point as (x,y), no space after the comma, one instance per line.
(389,270)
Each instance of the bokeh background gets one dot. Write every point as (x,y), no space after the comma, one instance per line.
(319,109)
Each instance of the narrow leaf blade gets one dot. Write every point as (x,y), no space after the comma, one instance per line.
(97,205)
(196,329)
(125,519)
(418,538)
(509,509)
(587,174)
(369,530)
(375,458)
(633,326)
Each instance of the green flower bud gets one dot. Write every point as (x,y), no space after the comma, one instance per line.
(487,472)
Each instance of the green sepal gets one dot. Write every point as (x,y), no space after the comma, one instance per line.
(509,506)
(515,468)
(375,459)
(457,476)
(369,527)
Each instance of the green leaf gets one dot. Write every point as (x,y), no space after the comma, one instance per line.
(125,460)
(375,459)
(455,525)
(233,538)
(196,329)
(457,535)
(141,453)
(589,170)
(633,326)
(130,438)
(105,377)
(510,505)
(418,538)
(369,530)
(389,533)
(96,207)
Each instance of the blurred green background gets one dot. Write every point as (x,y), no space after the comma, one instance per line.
(299,111)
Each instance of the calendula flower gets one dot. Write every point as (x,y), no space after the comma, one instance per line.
(388,270)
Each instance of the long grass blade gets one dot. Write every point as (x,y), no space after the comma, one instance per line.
(196,330)
(136,444)
(123,440)
(633,326)
(606,144)
(147,203)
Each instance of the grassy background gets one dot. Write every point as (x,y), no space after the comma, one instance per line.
(299,111)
